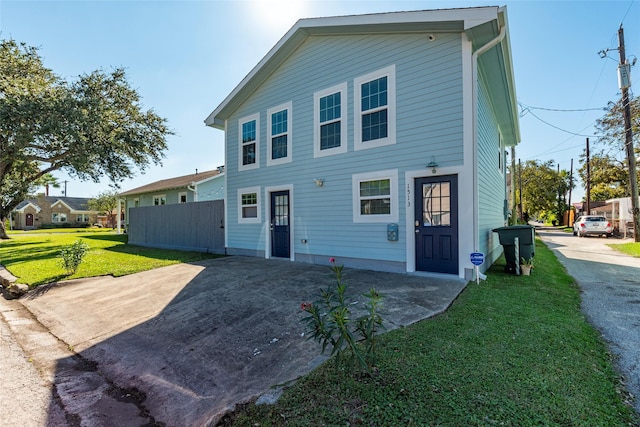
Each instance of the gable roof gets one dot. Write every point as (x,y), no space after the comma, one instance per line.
(172,183)
(73,203)
(481,24)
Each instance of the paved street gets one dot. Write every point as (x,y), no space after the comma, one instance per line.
(610,283)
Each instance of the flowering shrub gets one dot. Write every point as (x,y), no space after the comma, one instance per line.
(330,323)
(71,256)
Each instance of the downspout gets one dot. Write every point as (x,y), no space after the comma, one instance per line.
(193,187)
(474,95)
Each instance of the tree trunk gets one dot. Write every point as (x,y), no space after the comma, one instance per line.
(3,231)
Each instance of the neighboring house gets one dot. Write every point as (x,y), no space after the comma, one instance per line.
(197,187)
(52,211)
(376,139)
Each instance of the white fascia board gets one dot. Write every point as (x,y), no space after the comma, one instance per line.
(21,210)
(351,24)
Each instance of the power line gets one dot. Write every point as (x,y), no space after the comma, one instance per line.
(559,128)
(529,107)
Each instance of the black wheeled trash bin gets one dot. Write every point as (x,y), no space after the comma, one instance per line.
(526,235)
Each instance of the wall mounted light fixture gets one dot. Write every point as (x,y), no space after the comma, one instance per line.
(432,164)
(319,181)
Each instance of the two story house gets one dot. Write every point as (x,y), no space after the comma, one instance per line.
(377,139)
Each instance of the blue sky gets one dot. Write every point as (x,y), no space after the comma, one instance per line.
(184,57)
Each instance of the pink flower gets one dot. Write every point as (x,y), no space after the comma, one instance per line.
(332,260)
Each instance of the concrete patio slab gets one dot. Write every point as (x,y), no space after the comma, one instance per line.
(193,340)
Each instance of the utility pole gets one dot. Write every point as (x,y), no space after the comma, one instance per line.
(521,214)
(569,221)
(631,158)
(588,210)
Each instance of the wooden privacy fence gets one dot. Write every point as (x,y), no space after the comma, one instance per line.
(197,226)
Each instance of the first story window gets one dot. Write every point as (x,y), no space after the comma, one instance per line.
(375,196)
(136,203)
(249,205)
(160,200)
(82,218)
(59,217)
(182,197)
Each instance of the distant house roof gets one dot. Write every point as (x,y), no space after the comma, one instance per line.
(171,183)
(74,203)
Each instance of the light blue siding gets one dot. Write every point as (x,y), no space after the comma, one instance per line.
(212,189)
(491,177)
(429,123)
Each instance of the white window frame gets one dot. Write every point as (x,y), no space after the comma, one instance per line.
(161,198)
(241,144)
(56,217)
(289,107)
(136,202)
(82,217)
(258,218)
(390,73)
(180,194)
(317,151)
(392,176)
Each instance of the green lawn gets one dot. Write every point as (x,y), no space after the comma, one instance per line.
(631,248)
(512,351)
(33,257)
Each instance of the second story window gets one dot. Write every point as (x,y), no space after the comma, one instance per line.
(330,121)
(375,109)
(279,139)
(249,131)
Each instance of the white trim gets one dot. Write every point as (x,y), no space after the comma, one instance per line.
(159,197)
(267,208)
(250,190)
(180,194)
(226,196)
(60,201)
(35,207)
(288,106)
(356,179)
(465,228)
(241,144)
(390,73)
(342,89)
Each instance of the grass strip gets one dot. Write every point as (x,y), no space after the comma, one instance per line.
(512,351)
(630,248)
(33,258)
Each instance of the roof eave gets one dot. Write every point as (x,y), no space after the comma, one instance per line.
(394,22)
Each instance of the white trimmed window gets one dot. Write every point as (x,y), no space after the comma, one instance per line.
(249,206)
(279,135)
(59,217)
(375,196)
(375,109)
(160,199)
(82,218)
(136,202)
(249,142)
(182,197)
(330,121)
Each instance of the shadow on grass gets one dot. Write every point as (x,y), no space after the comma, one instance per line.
(164,254)
(122,238)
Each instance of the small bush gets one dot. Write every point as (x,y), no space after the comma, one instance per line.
(72,255)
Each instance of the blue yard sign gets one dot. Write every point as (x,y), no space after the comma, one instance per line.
(477,258)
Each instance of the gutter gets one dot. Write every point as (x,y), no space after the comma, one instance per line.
(474,96)
(193,187)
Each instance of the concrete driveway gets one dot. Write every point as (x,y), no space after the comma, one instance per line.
(181,345)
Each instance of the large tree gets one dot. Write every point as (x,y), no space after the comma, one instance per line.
(544,189)
(106,203)
(92,127)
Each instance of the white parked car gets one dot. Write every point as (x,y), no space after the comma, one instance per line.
(592,225)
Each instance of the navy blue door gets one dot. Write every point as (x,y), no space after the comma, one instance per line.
(280,239)
(436,224)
